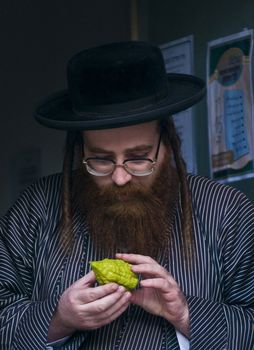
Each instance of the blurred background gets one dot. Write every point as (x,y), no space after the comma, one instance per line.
(38,37)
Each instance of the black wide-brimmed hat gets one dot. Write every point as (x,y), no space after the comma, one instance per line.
(117,85)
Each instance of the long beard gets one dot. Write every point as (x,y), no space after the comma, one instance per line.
(133,218)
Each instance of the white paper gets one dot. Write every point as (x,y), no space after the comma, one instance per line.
(178,57)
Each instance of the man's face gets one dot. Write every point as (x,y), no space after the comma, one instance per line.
(126,212)
(137,141)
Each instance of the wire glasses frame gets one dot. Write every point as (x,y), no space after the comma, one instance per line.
(135,166)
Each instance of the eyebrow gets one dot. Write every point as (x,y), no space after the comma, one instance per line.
(138,148)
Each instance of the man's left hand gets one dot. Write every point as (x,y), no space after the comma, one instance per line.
(159,293)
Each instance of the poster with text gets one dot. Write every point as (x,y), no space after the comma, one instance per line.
(178,57)
(230,107)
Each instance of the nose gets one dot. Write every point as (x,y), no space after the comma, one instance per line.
(120,176)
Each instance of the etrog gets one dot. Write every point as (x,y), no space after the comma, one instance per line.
(114,270)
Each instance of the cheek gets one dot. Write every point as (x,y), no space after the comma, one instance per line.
(144,181)
(160,160)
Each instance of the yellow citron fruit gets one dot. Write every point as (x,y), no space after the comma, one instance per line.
(114,270)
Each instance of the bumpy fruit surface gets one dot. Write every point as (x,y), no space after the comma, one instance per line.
(114,270)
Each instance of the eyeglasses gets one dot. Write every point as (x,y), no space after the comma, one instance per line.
(135,166)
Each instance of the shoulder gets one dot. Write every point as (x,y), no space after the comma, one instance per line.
(209,194)
(200,186)
(37,198)
(48,186)
(35,209)
(46,183)
(223,213)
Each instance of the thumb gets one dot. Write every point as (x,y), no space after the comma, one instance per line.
(87,280)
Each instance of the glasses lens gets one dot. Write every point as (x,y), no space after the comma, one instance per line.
(99,166)
(139,167)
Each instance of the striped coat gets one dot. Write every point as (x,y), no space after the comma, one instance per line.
(219,287)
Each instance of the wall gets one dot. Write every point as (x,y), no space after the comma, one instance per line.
(37,38)
(163,21)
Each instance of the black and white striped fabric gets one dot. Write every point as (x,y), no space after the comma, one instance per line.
(219,286)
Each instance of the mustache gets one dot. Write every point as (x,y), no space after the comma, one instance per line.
(129,192)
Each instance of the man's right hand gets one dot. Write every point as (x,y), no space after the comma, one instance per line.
(84,307)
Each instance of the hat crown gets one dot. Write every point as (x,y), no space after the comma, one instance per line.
(116,74)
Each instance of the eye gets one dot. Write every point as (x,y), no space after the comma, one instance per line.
(137,161)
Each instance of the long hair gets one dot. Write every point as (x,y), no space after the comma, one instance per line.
(172,140)
(74,154)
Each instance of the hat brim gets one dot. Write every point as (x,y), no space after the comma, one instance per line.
(57,112)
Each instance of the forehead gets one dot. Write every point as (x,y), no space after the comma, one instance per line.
(126,136)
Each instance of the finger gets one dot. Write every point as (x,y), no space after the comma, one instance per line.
(152,270)
(161,284)
(88,295)
(86,280)
(144,265)
(116,311)
(107,301)
(104,308)
(135,258)
(107,316)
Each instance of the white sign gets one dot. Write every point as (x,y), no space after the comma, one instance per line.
(178,57)
(230,107)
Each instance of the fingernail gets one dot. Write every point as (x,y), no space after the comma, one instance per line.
(121,289)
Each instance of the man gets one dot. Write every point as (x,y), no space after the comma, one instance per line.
(125,194)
